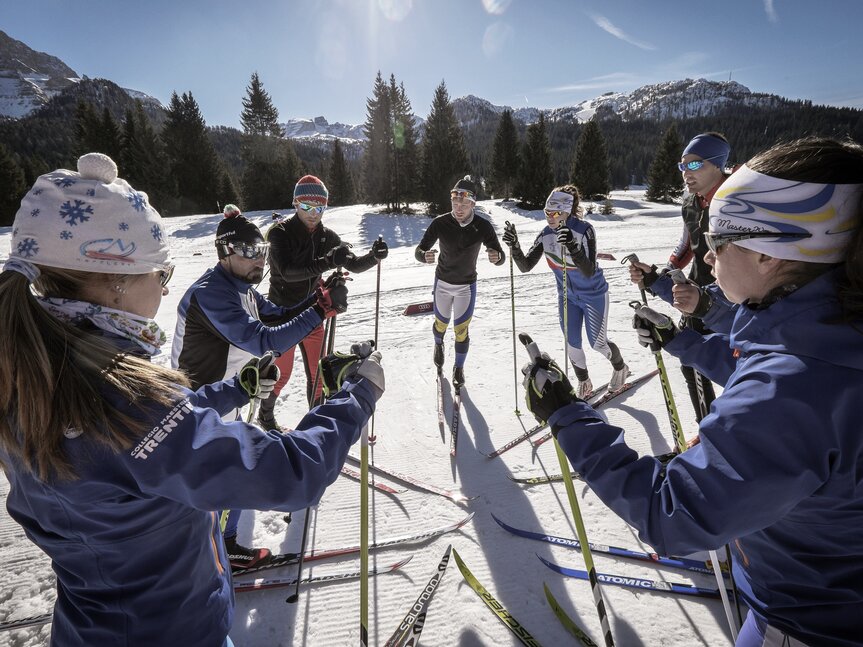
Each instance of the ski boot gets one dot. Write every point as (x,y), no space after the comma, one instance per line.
(241,557)
(458,377)
(618,378)
(585,389)
(438,356)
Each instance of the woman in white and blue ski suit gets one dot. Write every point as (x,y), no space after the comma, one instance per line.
(115,466)
(568,240)
(778,473)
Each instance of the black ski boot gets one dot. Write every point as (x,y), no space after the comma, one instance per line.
(458,377)
(267,414)
(438,356)
(241,557)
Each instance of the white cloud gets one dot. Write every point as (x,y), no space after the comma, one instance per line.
(615,79)
(605,24)
(772,16)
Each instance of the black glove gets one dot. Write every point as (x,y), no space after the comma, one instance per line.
(380,249)
(332,296)
(564,236)
(650,277)
(510,237)
(655,330)
(362,360)
(338,256)
(259,375)
(705,302)
(547,389)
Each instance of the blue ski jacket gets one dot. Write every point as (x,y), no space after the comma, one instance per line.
(219,327)
(585,281)
(135,546)
(778,472)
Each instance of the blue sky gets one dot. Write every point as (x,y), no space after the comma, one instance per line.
(320,57)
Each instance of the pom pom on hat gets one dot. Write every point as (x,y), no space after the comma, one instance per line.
(466,184)
(91,221)
(311,190)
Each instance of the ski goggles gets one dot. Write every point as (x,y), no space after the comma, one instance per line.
(460,195)
(716,241)
(165,275)
(313,208)
(694,165)
(252,251)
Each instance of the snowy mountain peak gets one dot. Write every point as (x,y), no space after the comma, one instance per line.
(319,128)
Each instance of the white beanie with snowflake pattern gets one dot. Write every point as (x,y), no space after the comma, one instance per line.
(91,221)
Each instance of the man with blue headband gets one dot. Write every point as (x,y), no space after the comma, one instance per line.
(703,167)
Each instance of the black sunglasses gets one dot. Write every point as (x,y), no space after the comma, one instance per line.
(716,241)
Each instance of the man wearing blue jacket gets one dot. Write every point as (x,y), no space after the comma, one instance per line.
(219,327)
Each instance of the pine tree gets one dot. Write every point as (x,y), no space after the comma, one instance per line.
(259,116)
(13,186)
(109,136)
(87,126)
(664,182)
(590,164)
(377,159)
(142,159)
(228,193)
(191,157)
(504,158)
(536,177)
(444,155)
(404,147)
(341,184)
(272,169)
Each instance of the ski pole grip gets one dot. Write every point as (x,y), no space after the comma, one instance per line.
(677,276)
(630,258)
(533,351)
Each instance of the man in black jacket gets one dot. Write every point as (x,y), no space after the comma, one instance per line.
(301,250)
(460,233)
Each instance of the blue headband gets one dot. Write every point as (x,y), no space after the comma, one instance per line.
(709,147)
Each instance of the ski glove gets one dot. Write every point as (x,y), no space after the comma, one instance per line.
(338,256)
(510,237)
(655,330)
(332,296)
(546,388)
(380,249)
(362,360)
(259,375)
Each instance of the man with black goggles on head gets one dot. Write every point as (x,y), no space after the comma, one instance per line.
(301,250)
(219,327)
(702,165)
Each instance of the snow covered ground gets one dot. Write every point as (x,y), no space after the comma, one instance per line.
(410,441)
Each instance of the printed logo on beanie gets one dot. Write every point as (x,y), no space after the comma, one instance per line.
(311,190)
(90,220)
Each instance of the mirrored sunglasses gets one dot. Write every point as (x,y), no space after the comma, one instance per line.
(316,208)
(250,251)
(165,275)
(461,194)
(694,165)
(716,241)
(554,213)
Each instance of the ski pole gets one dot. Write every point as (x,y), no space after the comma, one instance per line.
(633,258)
(329,340)
(372,437)
(680,443)
(534,353)
(514,358)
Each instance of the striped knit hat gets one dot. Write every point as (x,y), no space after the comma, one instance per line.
(311,190)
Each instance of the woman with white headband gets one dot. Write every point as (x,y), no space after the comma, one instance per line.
(115,466)
(779,470)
